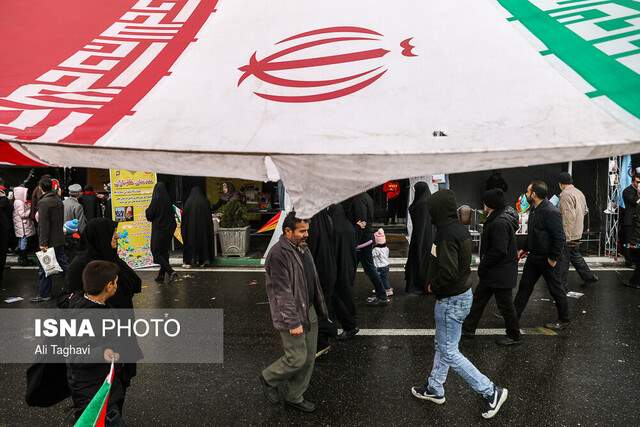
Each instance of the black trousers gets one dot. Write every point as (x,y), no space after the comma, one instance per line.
(635,278)
(627,231)
(162,259)
(392,209)
(343,307)
(571,256)
(535,267)
(481,297)
(365,257)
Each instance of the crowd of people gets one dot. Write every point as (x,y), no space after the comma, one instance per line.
(311,271)
(41,218)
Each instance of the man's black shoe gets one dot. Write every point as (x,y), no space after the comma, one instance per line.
(507,341)
(347,335)
(271,393)
(159,279)
(557,326)
(377,302)
(304,406)
(591,281)
(631,285)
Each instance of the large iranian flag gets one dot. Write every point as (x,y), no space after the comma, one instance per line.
(95,413)
(332,97)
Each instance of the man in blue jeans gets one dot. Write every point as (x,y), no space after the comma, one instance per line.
(50,233)
(448,278)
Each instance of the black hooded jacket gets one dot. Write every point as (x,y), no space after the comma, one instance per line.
(415,271)
(450,266)
(197,229)
(498,252)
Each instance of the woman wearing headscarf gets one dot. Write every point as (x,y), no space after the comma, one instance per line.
(321,243)
(229,193)
(163,225)
(100,242)
(415,271)
(197,229)
(345,255)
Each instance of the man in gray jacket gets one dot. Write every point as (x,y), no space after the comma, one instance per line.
(573,208)
(296,302)
(73,209)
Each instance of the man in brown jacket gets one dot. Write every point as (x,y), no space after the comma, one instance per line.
(296,302)
(573,208)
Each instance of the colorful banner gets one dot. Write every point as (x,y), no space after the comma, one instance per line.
(130,196)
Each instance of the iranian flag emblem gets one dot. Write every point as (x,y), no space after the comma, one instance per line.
(96,411)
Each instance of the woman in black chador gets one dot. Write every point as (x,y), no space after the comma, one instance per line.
(415,271)
(163,225)
(197,229)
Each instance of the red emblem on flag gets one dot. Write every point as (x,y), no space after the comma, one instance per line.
(273,68)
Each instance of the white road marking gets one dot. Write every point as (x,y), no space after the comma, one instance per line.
(432,332)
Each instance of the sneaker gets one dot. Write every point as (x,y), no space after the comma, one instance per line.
(37,299)
(323,351)
(347,335)
(390,292)
(507,341)
(557,326)
(493,404)
(377,302)
(186,265)
(424,393)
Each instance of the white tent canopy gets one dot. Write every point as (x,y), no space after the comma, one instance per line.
(331,97)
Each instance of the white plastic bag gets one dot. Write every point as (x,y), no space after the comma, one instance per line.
(49,262)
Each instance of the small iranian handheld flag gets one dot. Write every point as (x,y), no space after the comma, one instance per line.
(96,411)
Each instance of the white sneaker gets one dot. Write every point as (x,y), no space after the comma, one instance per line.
(494,403)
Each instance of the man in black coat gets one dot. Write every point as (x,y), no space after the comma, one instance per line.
(362,211)
(630,197)
(498,269)
(50,233)
(544,245)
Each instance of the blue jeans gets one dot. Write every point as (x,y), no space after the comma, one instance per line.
(383,272)
(45,283)
(365,257)
(450,313)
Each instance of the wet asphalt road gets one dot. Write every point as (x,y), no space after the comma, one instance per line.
(587,375)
